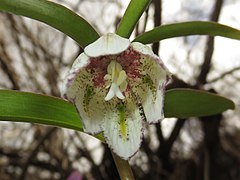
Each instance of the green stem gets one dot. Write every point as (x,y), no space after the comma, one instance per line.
(123,168)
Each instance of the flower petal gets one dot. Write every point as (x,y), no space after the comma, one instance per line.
(152,102)
(91,107)
(153,79)
(68,91)
(123,126)
(89,101)
(143,49)
(108,44)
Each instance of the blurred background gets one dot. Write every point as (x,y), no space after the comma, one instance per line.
(34,57)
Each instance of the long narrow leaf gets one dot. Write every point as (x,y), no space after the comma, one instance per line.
(54,15)
(185,103)
(133,13)
(186,29)
(34,108)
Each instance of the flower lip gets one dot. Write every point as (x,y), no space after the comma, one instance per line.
(108,44)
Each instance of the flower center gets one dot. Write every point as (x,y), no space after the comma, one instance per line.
(116,79)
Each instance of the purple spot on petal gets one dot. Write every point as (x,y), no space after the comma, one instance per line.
(65,96)
(75,175)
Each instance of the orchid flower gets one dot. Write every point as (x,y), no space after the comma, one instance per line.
(116,86)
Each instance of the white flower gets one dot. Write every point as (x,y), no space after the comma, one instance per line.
(117,85)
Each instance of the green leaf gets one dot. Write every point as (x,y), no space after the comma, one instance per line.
(54,15)
(41,109)
(131,16)
(186,29)
(185,103)
(35,108)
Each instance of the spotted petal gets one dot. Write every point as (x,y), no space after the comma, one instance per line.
(80,63)
(150,88)
(108,44)
(123,127)
(87,99)
(143,49)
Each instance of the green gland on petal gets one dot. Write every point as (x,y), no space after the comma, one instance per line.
(122,117)
(123,128)
(117,81)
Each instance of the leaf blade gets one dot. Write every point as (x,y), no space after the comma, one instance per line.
(41,109)
(35,108)
(188,28)
(131,16)
(185,103)
(55,15)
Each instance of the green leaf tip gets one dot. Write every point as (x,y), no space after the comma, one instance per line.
(186,29)
(185,103)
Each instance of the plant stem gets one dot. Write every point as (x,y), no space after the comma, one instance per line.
(123,168)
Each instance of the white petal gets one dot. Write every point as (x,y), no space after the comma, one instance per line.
(151,87)
(89,101)
(143,49)
(92,114)
(81,61)
(68,90)
(123,128)
(108,44)
(152,104)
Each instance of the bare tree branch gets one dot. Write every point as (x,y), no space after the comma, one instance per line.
(35,151)
(224,74)
(205,68)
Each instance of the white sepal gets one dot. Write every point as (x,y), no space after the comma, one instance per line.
(143,49)
(108,44)
(68,91)
(89,100)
